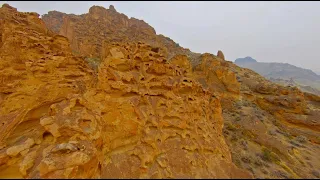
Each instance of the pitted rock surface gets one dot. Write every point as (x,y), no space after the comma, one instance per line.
(138,116)
(100,95)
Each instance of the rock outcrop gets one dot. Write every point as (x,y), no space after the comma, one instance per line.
(220,55)
(135,116)
(102,25)
(100,95)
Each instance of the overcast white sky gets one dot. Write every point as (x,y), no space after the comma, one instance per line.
(287,32)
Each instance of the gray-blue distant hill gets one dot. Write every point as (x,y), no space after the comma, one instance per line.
(281,71)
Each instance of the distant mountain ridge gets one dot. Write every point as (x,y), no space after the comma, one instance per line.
(284,71)
(247,59)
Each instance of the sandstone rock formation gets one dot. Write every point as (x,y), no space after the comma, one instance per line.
(108,98)
(101,25)
(220,55)
(138,116)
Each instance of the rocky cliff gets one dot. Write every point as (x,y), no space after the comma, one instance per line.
(88,32)
(102,96)
(137,116)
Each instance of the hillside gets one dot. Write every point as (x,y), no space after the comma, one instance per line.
(291,82)
(285,71)
(99,95)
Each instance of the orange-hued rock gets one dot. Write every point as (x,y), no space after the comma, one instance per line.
(216,75)
(135,116)
(272,124)
(182,61)
(100,95)
(88,32)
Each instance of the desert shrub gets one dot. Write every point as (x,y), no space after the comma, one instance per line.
(301,139)
(93,62)
(272,133)
(307,158)
(269,156)
(238,163)
(250,169)
(248,133)
(315,173)
(245,103)
(260,116)
(75,52)
(258,162)
(225,132)
(246,159)
(234,138)
(286,134)
(230,127)
(294,144)
(244,143)
(264,171)
(281,174)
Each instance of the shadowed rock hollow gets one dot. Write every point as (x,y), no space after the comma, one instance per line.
(99,95)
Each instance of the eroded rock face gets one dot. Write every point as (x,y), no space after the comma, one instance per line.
(108,98)
(87,32)
(215,74)
(138,116)
(260,117)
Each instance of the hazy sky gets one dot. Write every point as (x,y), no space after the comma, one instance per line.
(286,32)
